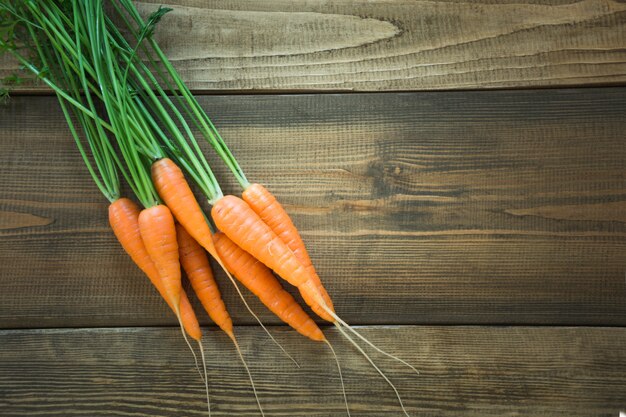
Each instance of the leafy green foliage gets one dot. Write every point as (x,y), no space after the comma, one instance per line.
(154,18)
(107,90)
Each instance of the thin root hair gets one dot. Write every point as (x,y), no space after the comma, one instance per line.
(343,387)
(206,378)
(254,315)
(356,345)
(376,348)
(195,357)
(245,365)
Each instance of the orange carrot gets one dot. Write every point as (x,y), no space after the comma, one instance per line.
(158,233)
(274,215)
(243,226)
(173,188)
(124,220)
(259,279)
(196,265)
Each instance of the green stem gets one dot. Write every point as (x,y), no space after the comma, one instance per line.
(107,182)
(193,154)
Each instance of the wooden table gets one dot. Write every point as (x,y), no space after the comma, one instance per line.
(466,220)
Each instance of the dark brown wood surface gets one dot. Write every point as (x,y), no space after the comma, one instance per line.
(480,235)
(457,207)
(348,45)
(464,371)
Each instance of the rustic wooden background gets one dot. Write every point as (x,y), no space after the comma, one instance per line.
(479,234)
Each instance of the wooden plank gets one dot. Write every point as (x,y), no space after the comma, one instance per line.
(482,207)
(379,45)
(470,371)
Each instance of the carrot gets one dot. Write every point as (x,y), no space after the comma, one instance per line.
(172,187)
(243,226)
(196,265)
(158,233)
(124,220)
(259,279)
(274,215)
(123,217)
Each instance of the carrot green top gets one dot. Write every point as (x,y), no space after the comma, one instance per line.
(168,127)
(83,56)
(176,87)
(38,35)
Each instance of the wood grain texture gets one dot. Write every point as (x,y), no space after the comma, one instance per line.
(226,45)
(481,207)
(469,371)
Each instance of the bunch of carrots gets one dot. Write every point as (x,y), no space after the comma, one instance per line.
(133,118)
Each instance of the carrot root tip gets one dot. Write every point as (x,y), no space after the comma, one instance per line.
(343,386)
(366,356)
(206,378)
(245,365)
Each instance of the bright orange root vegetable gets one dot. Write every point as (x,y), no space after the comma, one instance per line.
(173,188)
(158,232)
(124,220)
(274,215)
(242,225)
(195,262)
(156,225)
(196,265)
(261,282)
